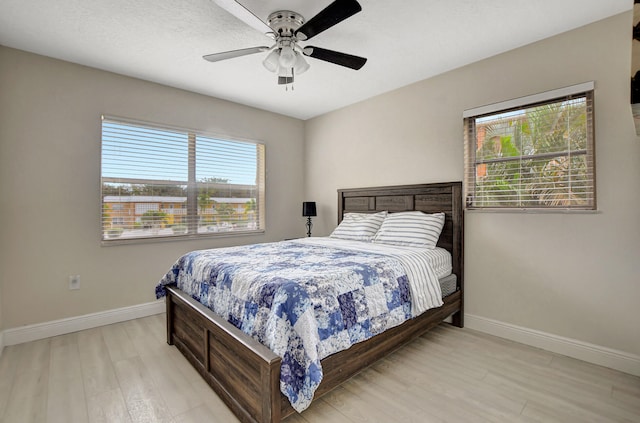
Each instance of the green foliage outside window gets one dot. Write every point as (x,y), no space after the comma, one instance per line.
(539,156)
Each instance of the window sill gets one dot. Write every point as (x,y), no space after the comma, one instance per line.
(153,240)
(532,211)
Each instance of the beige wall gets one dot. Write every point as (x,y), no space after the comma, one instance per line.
(1,319)
(572,275)
(50,181)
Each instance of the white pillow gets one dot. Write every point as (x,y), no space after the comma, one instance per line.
(359,226)
(415,229)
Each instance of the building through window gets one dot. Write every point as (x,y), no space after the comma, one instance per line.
(163,182)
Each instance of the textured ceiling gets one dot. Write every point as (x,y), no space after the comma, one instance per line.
(405,41)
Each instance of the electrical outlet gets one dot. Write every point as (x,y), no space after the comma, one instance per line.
(74,282)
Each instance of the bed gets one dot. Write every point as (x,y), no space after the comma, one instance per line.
(246,374)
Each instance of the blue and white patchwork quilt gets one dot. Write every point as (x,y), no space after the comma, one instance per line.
(305,299)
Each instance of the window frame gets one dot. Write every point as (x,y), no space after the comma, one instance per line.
(558,96)
(191,186)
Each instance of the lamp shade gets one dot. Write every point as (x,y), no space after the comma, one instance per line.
(301,65)
(287,57)
(309,208)
(271,61)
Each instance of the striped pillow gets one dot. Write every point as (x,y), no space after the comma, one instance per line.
(414,229)
(359,226)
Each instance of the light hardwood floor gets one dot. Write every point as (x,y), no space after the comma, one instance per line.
(127,373)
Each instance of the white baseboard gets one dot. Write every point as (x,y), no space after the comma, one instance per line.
(596,354)
(614,359)
(75,324)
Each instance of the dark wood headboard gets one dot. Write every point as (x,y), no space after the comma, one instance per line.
(428,198)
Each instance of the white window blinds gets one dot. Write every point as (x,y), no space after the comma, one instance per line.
(535,152)
(159,182)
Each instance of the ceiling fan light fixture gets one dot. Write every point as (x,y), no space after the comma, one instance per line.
(287,57)
(272,61)
(301,65)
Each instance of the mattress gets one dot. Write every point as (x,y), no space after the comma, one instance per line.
(448,284)
(440,261)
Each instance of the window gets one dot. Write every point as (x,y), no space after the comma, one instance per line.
(161,182)
(535,152)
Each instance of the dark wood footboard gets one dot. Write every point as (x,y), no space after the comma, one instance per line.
(246,375)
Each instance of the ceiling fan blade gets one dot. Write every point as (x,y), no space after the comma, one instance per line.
(333,14)
(342,59)
(244,14)
(216,57)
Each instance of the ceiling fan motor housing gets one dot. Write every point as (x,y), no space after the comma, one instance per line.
(285,22)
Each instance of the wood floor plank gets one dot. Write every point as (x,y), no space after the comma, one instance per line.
(65,362)
(472,395)
(605,375)
(98,373)
(432,394)
(28,399)
(553,413)
(408,394)
(356,408)
(627,397)
(200,414)
(119,345)
(572,393)
(66,401)
(321,411)
(108,407)
(539,397)
(157,326)
(402,407)
(142,337)
(33,356)
(144,401)
(177,391)
(7,376)
(481,344)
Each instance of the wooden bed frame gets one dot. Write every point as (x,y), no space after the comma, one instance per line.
(246,374)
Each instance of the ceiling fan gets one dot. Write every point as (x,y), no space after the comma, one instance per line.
(287,29)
